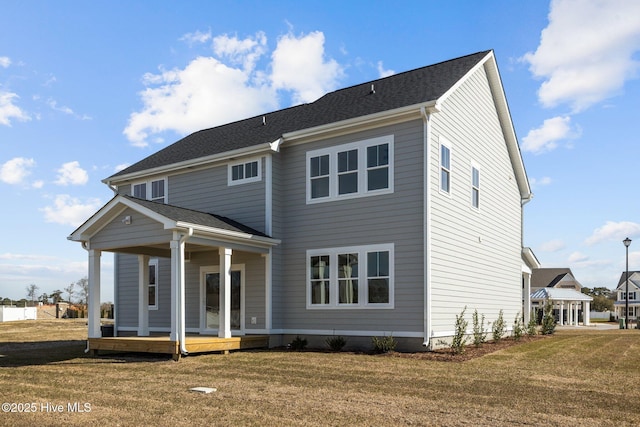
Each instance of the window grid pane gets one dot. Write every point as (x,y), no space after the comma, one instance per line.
(157,189)
(140,191)
(348,278)
(320,279)
(378,277)
(319,176)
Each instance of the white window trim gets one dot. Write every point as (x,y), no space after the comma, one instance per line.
(363,289)
(444,142)
(257,178)
(154,263)
(472,187)
(148,184)
(361,146)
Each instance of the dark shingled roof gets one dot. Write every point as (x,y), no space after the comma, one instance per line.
(195,217)
(399,90)
(548,277)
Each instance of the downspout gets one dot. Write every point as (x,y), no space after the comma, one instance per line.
(181,298)
(426,213)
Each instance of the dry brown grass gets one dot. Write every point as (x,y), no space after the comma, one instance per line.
(585,377)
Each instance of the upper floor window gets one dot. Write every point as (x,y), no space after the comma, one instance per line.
(475,187)
(244,172)
(151,190)
(632,296)
(351,277)
(358,169)
(445,168)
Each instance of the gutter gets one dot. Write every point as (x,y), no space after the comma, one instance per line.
(426,113)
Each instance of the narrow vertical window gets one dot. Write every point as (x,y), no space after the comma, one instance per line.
(348,278)
(153,284)
(319,279)
(445,168)
(378,277)
(475,187)
(237,172)
(377,167)
(319,176)
(348,172)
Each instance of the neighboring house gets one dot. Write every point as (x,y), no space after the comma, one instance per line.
(560,286)
(384,208)
(633,295)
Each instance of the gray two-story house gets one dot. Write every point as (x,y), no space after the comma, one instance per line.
(380,209)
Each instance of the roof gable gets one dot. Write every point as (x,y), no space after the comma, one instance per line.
(409,88)
(551,277)
(634,279)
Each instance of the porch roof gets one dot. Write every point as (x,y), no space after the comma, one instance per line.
(203,225)
(559,294)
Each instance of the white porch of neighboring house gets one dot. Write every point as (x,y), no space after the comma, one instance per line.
(567,302)
(134,226)
(529,263)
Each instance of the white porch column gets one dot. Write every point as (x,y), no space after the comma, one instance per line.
(569,313)
(176,262)
(268,304)
(576,317)
(143,295)
(586,315)
(93,299)
(561,313)
(526,310)
(224,328)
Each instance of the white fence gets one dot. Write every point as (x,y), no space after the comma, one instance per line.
(604,315)
(7,314)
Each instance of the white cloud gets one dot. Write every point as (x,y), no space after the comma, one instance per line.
(229,86)
(121,166)
(586,53)
(552,246)
(5,61)
(196,37)
(614,231)
(8,109)
(16,170)
(576,257)
(67,210)
(72,174)
(535,182)
(66,110)
(299,65)
(382,72)
(546,137)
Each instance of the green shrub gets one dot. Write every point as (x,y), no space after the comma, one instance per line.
(336,343)
(548,319)
(479,331)
(499,327)
(383,344)
(532,326)
(518,327)
(460,335)
(298,344)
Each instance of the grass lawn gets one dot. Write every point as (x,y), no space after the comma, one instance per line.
(577,377)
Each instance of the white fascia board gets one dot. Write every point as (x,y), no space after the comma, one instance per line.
(231,235)
(111,210)
(190,164)
(397,114)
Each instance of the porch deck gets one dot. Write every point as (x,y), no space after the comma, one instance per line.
(163,345)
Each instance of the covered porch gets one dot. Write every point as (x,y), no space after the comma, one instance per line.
(145,229)
(567,302)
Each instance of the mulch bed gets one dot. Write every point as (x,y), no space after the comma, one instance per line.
(470,351)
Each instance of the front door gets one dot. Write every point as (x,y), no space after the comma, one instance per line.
(210,321)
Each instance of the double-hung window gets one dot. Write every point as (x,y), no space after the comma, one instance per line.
(244,171)
(350,277)
(154,190)
(445,168)
(475,187)
(358,169)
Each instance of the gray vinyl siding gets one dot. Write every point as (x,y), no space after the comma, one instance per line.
(127,277)
(207,190)
(392,218)
(476,259)
(142,230)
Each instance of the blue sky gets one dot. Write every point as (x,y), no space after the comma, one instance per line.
(87,88)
